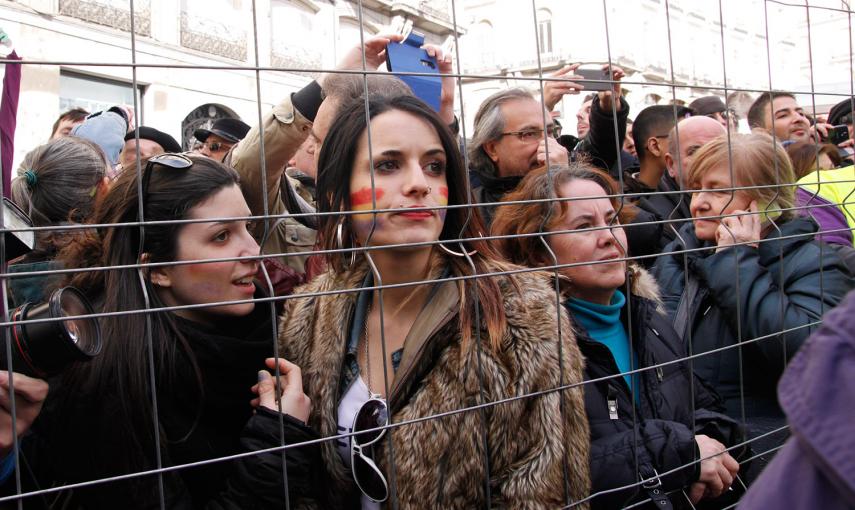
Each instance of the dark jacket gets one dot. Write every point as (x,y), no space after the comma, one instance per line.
(816,467)
(599,146)
(661,214)
(31,289)
(672,407)
(744,293)
(194,426)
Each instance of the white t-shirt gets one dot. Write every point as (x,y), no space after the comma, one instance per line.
(356,395)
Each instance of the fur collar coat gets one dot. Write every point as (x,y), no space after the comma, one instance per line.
(529,452)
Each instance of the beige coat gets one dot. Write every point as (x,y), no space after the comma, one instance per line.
(440,463)
(284,129)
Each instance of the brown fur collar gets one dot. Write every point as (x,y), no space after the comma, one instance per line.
(531,442)
(643,285)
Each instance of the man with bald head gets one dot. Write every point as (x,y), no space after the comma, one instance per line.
(684,140)
(671,203)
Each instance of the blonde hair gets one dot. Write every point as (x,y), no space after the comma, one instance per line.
(759,163)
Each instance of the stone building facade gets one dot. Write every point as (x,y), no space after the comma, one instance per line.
(194,60)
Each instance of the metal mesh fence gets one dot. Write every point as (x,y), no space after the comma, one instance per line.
(664,22)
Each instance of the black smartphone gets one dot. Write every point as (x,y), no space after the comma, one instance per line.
(838,134)
(594,74)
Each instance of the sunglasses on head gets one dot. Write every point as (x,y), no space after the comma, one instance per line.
(372,415)
(169,160)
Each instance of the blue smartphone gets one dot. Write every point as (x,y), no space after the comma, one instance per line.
(409,57)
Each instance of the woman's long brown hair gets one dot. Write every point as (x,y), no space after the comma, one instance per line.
(537,194)
(335,164)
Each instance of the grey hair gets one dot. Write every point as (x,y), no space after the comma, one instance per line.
(344,88)
(66,172)
(489,124)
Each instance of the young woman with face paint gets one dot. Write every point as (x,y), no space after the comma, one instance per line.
(208,368)
(422,338)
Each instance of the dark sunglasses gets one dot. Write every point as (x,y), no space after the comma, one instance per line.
(372,415)
(173,161)
(215,146)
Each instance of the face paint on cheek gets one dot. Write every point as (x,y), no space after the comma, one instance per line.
(364,228)
(443,194)
(361,200)
(443,201)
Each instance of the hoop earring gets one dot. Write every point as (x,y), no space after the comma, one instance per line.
(456,253)
(338,237)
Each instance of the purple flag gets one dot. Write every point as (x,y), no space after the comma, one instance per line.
(8,119)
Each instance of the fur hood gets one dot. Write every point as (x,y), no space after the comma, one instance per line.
(640,282)
(534,444)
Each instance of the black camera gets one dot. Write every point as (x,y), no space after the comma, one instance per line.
(838,134)
(44,349)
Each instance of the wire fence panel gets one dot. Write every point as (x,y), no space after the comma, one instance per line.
(414,254)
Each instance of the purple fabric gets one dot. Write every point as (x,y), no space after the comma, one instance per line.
(816,468)
(8,119)
(829,217)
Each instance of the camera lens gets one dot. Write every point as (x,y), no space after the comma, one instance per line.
(43,349)
(80,332)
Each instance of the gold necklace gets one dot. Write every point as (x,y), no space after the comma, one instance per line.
(366,339)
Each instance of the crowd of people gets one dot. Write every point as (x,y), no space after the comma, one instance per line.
(330,309)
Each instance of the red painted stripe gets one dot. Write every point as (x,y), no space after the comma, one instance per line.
(363,197)
(443,191)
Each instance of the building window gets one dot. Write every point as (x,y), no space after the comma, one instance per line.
(544,30)
(95,94)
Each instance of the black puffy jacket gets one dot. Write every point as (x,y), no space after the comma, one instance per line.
(193,428)
(632,443)
(660,216)
(744,293)
(751,295)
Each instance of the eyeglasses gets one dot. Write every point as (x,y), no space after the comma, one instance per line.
(530,135)
(372,415)
(173,161)
(725,114)
(215,146)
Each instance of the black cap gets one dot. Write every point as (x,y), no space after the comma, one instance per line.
(232,130)
(707,105)
(841,110)
(159,137)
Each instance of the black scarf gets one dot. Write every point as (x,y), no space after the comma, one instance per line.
(496,186)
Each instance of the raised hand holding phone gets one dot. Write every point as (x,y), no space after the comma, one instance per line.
(409,57)
(449,83)
(554,90)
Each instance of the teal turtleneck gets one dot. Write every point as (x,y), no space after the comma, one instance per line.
(603,324)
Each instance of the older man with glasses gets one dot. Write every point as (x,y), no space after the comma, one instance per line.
(515,133)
